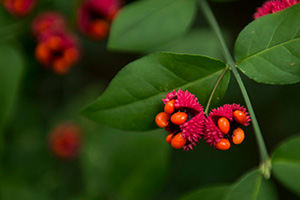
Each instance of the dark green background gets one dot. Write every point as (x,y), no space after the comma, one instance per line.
(30,171)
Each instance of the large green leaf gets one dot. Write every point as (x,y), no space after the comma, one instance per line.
(268,49)
(253,186)
(133,97)
(286,164)
(148,24)
(125,165)
(208,193)
(11,67)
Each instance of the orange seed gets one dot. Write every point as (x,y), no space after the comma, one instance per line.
(224,144)
(169,138)
(99,28)
(224,125)
(238,136)
(170,107)
(162,119)
(178,118)
(239,116)
(178,141)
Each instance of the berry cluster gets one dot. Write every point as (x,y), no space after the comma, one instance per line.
(57,47)
(184,119)
(65,140)
(95,17)
(222,126)
(19,8)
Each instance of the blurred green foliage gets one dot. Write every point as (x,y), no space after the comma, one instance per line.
(114,164)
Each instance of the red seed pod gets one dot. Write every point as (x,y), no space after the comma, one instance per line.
(191,125)
(178,141)
(19,8)
(239,116)
(170,107)
(178,118)
(48,22)
(58,51)
(224,144)
(162,119)
(94,17)
(169,138)
(238,136)
(65,140)
(99,29)
(224,125)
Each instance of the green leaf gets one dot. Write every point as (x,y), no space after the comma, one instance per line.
(148,24)
(11,67)
(133,98)
(207,193)
(122,165)
(253,186)
(268,49)
(286,164)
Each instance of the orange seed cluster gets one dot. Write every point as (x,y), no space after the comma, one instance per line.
(232,133)
(170,115)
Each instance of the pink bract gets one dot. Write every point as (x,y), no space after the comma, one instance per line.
(193,129)
(212,134)
(19,8)
(47,23)
(273,6)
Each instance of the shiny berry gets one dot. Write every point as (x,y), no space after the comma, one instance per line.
(224,125)
(239,116)
(162,119)
(179,118)
(169,138)
(238,136)
(170,107)
(224,144)
(178,141)
(99,28)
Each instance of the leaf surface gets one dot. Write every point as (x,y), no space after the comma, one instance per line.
(147,24)
(286,163)
(252,186)
(268,49)
(134,96)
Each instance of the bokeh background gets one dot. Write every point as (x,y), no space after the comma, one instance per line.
(114,164)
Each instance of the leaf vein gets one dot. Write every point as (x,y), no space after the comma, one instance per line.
(265,50)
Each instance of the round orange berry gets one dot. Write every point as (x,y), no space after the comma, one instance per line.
(238,136)
(224,144)
(54,43)
(42,53)
(162,119)
(99,29)
(169,138)
(178,118)
(170,107)
(224,125)
(178,141)
(239,116)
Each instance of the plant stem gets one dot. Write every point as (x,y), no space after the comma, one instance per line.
(215,88)
(265,164)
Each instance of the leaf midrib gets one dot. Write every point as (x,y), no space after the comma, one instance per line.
(161,93)
(265,50)
(257,187)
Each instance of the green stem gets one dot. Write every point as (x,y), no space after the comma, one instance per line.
(265,165)
(214,89)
